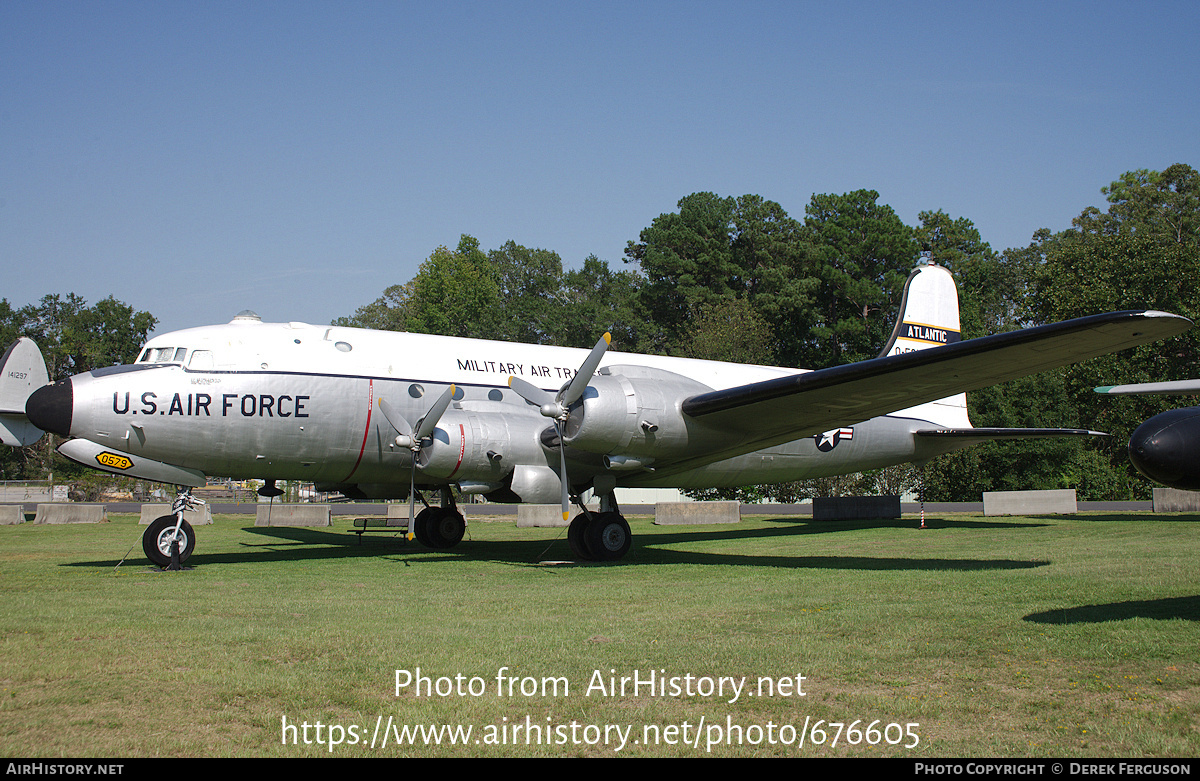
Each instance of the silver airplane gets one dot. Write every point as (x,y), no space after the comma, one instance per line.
(1166,448)
(390,415)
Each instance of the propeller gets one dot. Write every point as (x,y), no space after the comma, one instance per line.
(558,405)
(414,438)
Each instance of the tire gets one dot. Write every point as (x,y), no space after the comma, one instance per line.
(421,525)
(444,529)
(576,538)
(608,537)
(156,541)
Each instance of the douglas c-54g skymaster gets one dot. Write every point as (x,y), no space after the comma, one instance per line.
(385,414)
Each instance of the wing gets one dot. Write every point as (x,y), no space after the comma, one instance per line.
(768,413)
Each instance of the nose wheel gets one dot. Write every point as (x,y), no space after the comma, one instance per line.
(161,535)
(169,540)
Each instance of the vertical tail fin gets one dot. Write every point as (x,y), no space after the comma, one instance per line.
(928,312)
(929,318)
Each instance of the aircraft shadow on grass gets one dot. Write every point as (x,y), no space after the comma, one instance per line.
(1186,608)
(311,544)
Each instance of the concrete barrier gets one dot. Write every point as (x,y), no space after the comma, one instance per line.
(71,513)
(855,508)
(11,514)
(677,513)
(542,515)
(1054,502)
(201,516)
(293,515)
(397,515)
(1173,500)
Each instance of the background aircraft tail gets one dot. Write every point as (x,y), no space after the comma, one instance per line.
(22,371)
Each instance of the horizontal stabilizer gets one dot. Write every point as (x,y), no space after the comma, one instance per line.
(17,431)
(990,434)
(22,371)
(1170,388)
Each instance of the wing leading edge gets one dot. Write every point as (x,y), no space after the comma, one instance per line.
(771,412)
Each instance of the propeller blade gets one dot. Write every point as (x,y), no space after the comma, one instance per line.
(397,421)
(586,371)
(429,422)
(562,473)
(412,440)
(555,406)
(412,500)
(535,395)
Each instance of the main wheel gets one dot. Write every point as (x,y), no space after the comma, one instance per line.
(444,529)
(156,540)
(607,537)
(421,525)
(576,538)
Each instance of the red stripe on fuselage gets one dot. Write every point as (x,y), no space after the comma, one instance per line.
(462,447)
(367,430)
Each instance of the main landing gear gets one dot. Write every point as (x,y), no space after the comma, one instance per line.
(600,536)
(440,527)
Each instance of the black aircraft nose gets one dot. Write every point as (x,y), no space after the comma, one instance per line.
(1166,448)
(50,406)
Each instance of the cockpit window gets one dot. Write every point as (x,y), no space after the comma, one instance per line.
(163,355)
(201,359)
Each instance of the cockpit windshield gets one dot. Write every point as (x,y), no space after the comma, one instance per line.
(163,355)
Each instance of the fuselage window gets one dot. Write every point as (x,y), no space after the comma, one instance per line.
(179,355)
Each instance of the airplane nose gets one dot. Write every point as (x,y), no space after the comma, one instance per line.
(1164,448)
(50,407)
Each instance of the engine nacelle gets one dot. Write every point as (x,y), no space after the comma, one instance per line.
(481,446)
(633,411)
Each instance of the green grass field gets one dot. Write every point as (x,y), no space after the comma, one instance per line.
(1072,636)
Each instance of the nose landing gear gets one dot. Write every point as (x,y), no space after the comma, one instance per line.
(169,540)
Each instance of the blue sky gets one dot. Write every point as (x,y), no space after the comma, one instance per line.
(194,159)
